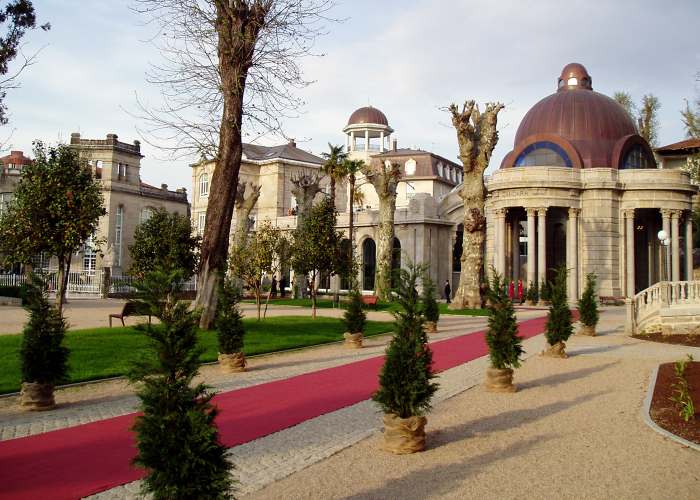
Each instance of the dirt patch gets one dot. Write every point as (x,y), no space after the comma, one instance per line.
(687,340)
(664,412)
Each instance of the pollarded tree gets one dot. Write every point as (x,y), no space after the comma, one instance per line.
(164,239)
(226,63)
(385,180)
(318,246)
(477,137)
(243,208)
(307,185)
(56,207)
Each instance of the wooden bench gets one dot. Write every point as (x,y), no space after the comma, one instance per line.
(369,300)
(129,309)
(612,301)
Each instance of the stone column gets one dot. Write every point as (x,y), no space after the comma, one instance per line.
(675,246)
(352,140)
(366,140)
(531,247)
(541,245)
(689,246)
(500,244)
(381,147)
(629,244)
(515,249)
(347,142)
(572,252)
(665,250)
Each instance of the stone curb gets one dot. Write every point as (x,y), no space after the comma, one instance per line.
(651,423)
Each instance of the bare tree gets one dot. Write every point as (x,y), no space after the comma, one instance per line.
(385,179)
(477,137)
(306,186)
(646,116)
(691,114)
(226,63)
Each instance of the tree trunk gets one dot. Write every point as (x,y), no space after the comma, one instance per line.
(238,26)
(351,235)
(243,208)
(61,283)
(477,137)
(385,180)
(306,187)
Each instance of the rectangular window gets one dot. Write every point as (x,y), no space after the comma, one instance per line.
(4,198)
(202,220)
(118,236)
(89,256)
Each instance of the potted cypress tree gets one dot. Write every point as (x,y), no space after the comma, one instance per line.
(405,386)
(588,307)
(505,346)
(545,295)
(531,294)
(43,356)
(230,329)
(354,318)
(431,310)
(558,327)
(179,444)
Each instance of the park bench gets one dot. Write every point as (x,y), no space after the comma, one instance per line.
(368,300)
(612,301)
(129,309)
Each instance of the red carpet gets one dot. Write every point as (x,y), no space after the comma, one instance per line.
(80,461)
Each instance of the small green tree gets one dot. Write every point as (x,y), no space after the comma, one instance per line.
(43,356)
(531,293)
(354,318)
(230,329)
(431,310)
(178,442)
(545,295)
(559,327)
(55,208)
(405,387)
(505,346)
(588,304)
(164,240)
(318,246)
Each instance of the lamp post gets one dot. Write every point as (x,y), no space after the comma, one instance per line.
(665,242)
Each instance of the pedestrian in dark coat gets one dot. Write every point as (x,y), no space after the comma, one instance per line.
(448,291)
(283,285)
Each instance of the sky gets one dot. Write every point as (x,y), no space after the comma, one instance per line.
(409,58)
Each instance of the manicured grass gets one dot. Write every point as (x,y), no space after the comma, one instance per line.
(106,352)
(381,306)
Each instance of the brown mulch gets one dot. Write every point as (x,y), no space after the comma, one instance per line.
(689,340)
(663,411)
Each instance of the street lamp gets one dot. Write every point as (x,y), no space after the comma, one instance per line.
(665,241)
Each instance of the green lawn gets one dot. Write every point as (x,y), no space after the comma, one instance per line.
(106,352)
(381,306)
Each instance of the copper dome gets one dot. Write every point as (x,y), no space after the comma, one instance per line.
(368,114)
(589,126)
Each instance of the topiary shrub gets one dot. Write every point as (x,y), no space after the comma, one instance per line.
(505,346)
(405,386)
(431,310)
(230,329)
(354,318)
(545,295)
(588,303)
(179,444)
(559,327)
(531,293)
(43,356)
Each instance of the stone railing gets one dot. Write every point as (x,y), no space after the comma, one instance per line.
(673,302)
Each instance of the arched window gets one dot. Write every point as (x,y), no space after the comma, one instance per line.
(369,263)
(636,158)
(543,154)
(204,185)
(572,81)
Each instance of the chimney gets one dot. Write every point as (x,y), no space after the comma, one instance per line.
(394,145)
(292,143)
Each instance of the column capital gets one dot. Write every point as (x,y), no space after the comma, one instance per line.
(675,214)
(573,212)
(628,214)
(531,212)
(499,212)
(542,211)
(666,213)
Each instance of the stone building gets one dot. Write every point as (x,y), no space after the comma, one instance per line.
(581,186)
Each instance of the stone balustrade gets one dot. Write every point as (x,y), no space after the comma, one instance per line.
(673,307)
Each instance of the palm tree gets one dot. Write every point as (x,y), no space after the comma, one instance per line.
(349,169)
(333,166)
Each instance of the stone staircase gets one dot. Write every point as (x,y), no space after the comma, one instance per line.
(669,307)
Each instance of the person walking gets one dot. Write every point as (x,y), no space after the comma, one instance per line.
(520,291)
(448,291)
(273,289)
(283,285)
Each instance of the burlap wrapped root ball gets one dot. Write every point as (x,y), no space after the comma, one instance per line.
(430,327)
(555,351)
(403,435)
(37,397)
(499,380)
(353,340)
(233,363)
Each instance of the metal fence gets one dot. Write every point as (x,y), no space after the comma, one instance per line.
(80,284)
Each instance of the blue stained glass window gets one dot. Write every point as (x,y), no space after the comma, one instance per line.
(636,158)
(543,154)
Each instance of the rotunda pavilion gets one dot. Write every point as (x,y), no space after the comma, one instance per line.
(581,186)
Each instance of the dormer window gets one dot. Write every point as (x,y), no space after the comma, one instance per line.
(410,167)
